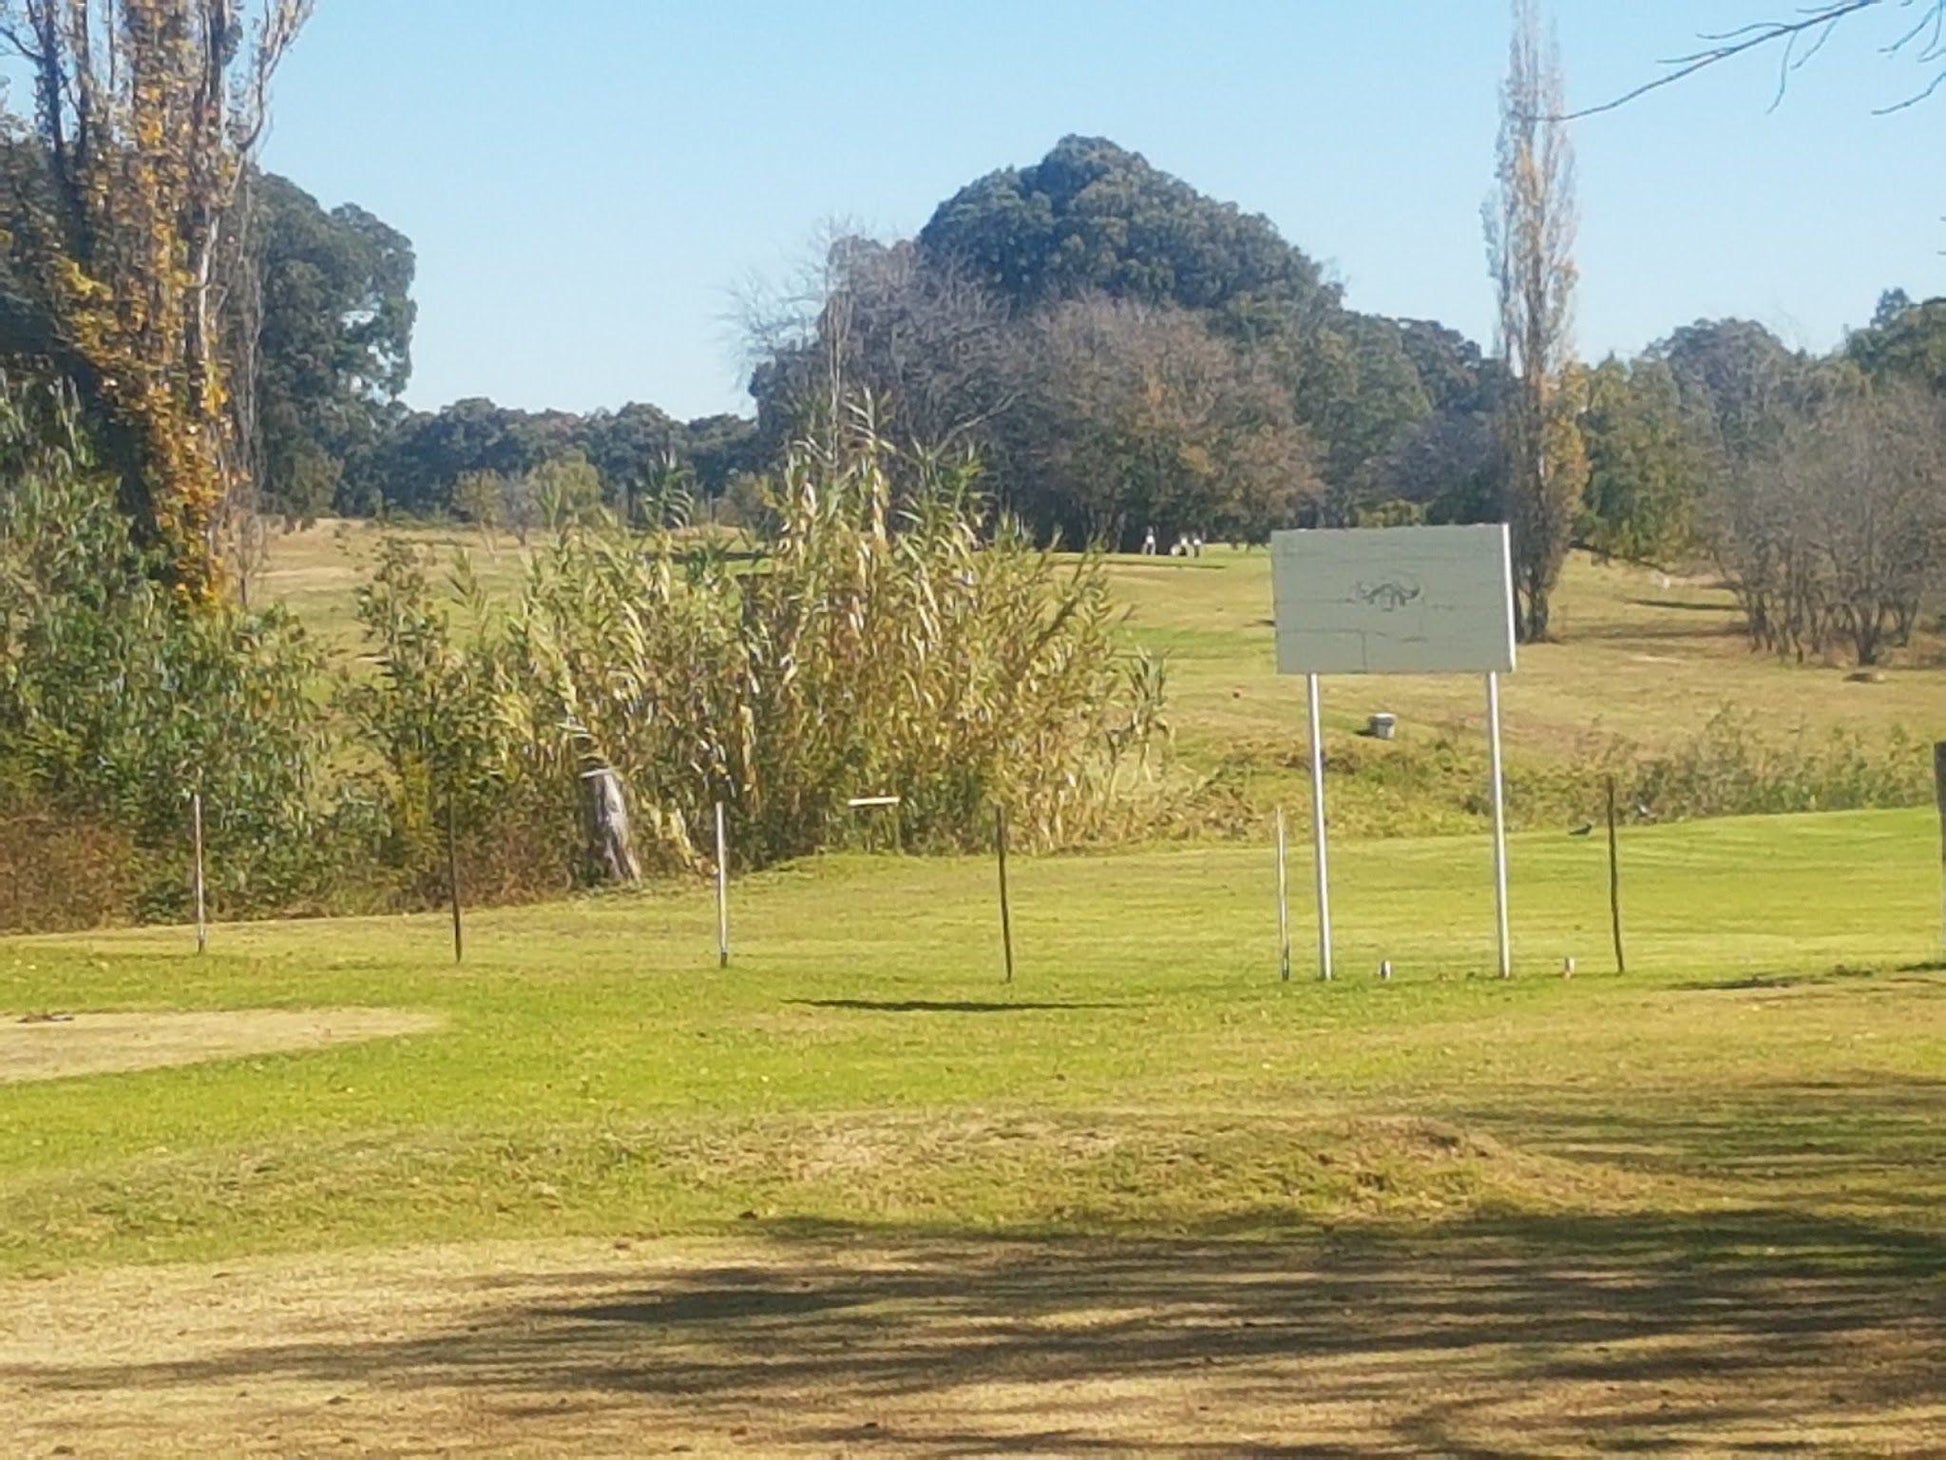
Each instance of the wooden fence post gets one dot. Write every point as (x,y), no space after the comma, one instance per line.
(196,837)
(452,880)
(1615,881)
(1939,793)
(722,891)
(1006,914)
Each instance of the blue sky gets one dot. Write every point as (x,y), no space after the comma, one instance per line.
(588,182)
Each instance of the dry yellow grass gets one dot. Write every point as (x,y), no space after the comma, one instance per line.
(1371,1344)
(1638,655)
(53,1047)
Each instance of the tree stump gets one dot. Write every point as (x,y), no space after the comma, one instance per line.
(611,841)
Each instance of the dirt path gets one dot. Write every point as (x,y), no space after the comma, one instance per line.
(1476,1344)
(51,1047)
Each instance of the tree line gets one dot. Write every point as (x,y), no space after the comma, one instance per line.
(1122,354)
(1119,352)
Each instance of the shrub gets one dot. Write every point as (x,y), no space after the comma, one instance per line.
(888,642)
(118,698)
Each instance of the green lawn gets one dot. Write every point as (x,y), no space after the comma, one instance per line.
(1147,1071)
(856,1193)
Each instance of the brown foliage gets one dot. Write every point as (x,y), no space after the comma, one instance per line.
(59,872)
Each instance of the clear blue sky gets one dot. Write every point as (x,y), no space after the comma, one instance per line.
(587,182)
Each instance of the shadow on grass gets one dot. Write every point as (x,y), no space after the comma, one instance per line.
(951,1006)
(1841,974)
(1863,1143)
(1794,1304)
(1679,605)
(1757,1331)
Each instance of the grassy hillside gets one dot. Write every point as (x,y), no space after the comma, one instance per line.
(856,1193)
(1639,655)
(1651,677)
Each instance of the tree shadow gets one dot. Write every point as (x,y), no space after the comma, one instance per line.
(953,1006)
(1507,1334)
(1809,1316)
(1681,606)
(1857,1143)
(1842,973)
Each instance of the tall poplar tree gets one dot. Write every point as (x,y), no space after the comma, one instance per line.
(1530,226)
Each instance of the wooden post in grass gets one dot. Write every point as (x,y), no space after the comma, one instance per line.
(1939,792)
(1615,881)
(1006,913)
(452,881)
(196,840)
(1283,902)
(722,891)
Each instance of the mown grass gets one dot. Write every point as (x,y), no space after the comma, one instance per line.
(862,1063)
(1694,1207)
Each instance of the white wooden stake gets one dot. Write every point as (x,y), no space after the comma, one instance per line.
(1318,853)
(1499,825)
(722,892)
(196,836)
(1283,903)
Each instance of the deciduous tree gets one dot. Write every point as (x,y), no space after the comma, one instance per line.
(122,186)
(1530,227)
(334,347)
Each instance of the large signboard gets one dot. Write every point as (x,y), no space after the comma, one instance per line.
(1393,600)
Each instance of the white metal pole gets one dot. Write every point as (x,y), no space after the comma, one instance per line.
(1283,903)
(722,892)
(1318,853)
(1499,824)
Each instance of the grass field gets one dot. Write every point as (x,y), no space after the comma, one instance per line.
(321,1190)
(1639,656)
(855,1195)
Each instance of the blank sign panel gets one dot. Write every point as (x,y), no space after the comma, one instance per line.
(1393,600)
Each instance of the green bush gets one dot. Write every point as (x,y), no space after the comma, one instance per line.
(118,699)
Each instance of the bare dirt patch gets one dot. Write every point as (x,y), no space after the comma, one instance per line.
(1530,1340)
(52,1047)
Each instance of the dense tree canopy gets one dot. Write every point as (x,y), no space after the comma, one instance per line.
(952,334)
(1091,217)
(122,173)
(420,464)
(1648,463)
(1904,341)
(335,345)
(1136,418)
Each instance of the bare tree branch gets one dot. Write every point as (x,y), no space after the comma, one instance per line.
(1799,38)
